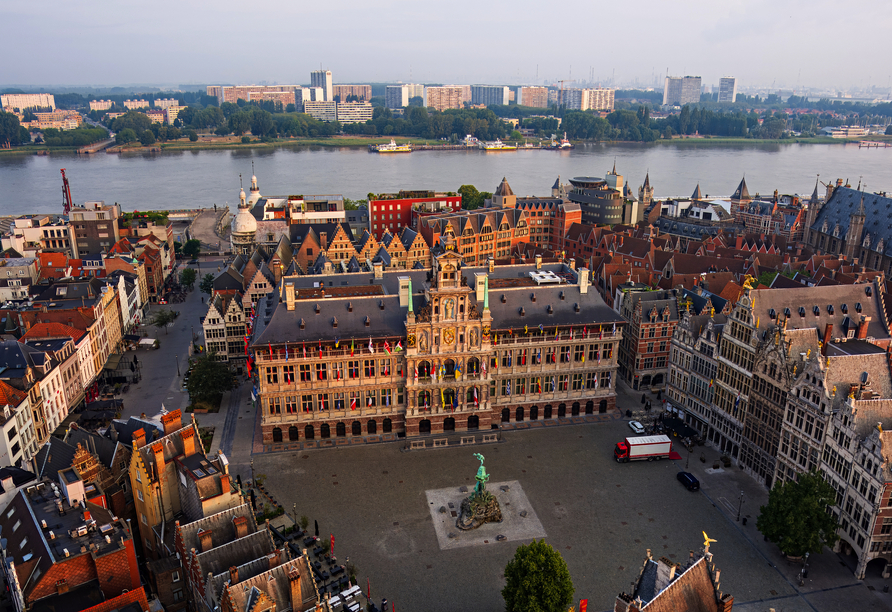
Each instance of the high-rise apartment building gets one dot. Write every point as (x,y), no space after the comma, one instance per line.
(441,98)
(489,95)
(354,112)
(396,96)
(728,89)
(534,97)
(679,91)
(599,98)
(322,78)
(416,90)
(321,110)
(100,105)
(28,101)
(342,92)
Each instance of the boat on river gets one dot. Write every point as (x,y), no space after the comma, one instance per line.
(392,147)
(497,145)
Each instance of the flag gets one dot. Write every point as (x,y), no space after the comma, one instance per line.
(368,588)
(553,387)
(304,346)
(509,358)
(541,328)
(337,342)
(457,369)
(539,384)
(371,346)
(737,401)
(596,381)
(599,357)
(286,353)
(508,388)
(539,356)
(270,350)
(332,545)
(483,369)
(710,383)
(442,398)
(614,329)
(601,333)
(339,371)
(351,347)
(523,357)
(555,333)
(454,401)
(387,348)
(322,402)
(353,403)
(399,346)
(526,330)
(584,331)
(370,401)
(320,349)
(416,373)
(253,395)
(476,401)
(583,356)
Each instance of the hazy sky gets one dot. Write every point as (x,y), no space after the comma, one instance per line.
(759,41)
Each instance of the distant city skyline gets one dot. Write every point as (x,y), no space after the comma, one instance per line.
(769,45)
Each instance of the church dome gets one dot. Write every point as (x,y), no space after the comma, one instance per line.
(244,222)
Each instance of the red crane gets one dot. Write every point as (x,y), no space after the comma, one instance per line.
(66,194)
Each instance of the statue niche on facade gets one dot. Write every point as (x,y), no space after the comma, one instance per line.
(481,506)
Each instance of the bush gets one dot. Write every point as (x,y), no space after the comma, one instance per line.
(147,138)
(245,140)
(193,135)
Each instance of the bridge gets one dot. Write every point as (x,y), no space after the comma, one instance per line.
(96,147)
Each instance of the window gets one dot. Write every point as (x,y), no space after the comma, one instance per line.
(139,495)
(16,526)
(304,370)
(178,595)
(353,369)
(369,368)
(288,374)
(175,576)
(24,543)
(577,382)
(321,371)
(290,404)
(272,375)
(144,520)
(306,403)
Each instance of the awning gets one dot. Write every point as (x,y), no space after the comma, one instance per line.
(147,342)
(132,337)
(114,360)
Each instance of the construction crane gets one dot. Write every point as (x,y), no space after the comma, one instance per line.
(66,194)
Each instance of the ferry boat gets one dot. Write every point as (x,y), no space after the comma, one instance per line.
(497,145)
(392,147)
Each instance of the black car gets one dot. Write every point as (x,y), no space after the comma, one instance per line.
(689,481)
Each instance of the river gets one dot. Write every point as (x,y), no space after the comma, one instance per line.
(196,179)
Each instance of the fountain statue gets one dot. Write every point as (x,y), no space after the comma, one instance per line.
(481,506)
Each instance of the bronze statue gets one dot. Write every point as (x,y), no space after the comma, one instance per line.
(481,506)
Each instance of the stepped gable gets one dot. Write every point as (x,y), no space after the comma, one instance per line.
(289,586)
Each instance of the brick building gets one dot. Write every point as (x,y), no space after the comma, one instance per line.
(95,227)
(393,211)
(644,350)
(86,546)
(455,349)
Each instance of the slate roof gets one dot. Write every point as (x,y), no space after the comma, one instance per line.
(504,189)
(220,525)
(122,431)
(53,456)
(18,475)
(808,298)
(845,202)
(742,193)
(275,585)
(697,195)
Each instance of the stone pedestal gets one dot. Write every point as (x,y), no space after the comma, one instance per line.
(478,509)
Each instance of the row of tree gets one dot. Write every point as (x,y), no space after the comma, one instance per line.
(79,137)
(429,123)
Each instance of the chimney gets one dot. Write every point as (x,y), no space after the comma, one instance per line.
(378,268)
(405,281)
(572,263)
(204,538)
(61,586)
(492,264)
(189,442)
(274,558)
(224,484)
(139,438)
(862,328)
(289,295)
(665,573)
(172,421)
(583,280)
(296,593)
(241,526)
(828,335)
(233,575)
(87,516)
(480,287)
(538,261)
(158,450)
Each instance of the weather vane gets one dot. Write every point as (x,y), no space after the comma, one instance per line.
(708,540)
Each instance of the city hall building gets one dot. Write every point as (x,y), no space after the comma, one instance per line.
(455,348)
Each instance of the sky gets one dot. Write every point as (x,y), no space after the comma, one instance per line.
(780,43)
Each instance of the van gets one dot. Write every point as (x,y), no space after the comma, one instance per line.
(688,480)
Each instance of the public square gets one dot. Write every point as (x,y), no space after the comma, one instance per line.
(602,516)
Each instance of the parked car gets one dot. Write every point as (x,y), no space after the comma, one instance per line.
(689,481)
(637,427)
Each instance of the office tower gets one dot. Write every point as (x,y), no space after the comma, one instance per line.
(728,89)
(322,78)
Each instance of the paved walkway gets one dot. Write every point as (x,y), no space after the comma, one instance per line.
(203,228)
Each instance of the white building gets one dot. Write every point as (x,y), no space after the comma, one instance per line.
(354,112)
(322,78)
(135,104)
(166,102)
(101,105)
(679,91)
(598,98)
(728,89)
(17,439)
(29,235)
(322,111)
(28,101)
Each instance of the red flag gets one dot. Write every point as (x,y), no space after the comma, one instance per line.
(352,403)
(270,350)
(332,545)
(320,349)
(304,346)
(368,589)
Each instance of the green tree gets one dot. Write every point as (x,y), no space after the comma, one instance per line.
(470,197)
(126,135)
(193,135)
(797,516)
(10,130)
(515,135)
(192,248)
(163,318)
(209,380)
(147,138)
(537,580)
(207,284)
(188,276)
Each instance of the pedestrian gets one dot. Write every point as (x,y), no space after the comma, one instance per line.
(202,299)
(643,398)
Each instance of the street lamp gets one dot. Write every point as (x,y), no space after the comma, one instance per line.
(739,506)
(177,358)
(688,462)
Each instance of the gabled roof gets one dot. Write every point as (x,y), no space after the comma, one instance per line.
(53,456)
(53,330)
(10,396)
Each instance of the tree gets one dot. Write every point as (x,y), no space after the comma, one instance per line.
(126,135)
(470,197)
(193,135)
(797,517)
(192,248)
(147,138)
(537,580)
(889,130)
(163,318)
(207,284)
(10,130)
(188,276)
(209,379)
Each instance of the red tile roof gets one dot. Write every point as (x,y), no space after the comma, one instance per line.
(10,395)
(53,330)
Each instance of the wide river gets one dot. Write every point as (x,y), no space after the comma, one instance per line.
(196,179)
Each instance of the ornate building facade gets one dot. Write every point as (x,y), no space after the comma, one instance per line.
(425,352)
